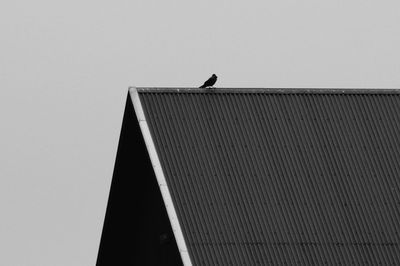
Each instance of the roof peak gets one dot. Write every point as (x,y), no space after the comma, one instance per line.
(269,90)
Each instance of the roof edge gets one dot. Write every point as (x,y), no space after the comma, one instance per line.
(158,171)
(268,90)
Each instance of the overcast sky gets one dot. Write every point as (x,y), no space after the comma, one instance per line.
(65,69)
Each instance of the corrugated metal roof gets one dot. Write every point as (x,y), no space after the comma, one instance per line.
(271,177)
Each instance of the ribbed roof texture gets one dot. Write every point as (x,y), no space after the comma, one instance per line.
(275,177)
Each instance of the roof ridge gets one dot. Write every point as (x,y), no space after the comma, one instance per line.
(268,90)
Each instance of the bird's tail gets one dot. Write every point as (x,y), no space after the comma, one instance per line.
(202,86)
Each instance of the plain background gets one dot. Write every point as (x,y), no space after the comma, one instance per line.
(65,69)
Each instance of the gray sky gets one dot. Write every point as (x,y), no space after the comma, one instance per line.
(65,68)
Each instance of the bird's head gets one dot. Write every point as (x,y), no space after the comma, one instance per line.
(214,75)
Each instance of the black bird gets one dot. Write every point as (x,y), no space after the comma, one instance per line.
(210,82)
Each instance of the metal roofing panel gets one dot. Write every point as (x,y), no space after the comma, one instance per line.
(270,177)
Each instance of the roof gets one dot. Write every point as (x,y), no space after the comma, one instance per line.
(278,176)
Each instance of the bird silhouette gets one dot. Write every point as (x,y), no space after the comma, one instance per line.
(210,82)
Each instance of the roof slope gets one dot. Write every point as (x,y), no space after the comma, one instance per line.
(263,177)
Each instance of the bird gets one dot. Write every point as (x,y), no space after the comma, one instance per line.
(209,82)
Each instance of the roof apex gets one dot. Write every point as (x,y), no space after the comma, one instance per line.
(268,90)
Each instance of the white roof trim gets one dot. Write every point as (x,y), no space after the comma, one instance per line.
(155,161)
